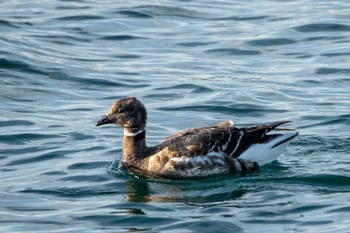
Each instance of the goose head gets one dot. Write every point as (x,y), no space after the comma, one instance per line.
(128,113)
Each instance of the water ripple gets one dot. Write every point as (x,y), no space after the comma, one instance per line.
(134,14)
(271,42)
(193,63)
(23,138)
(121,37)
(18,65)
(322,27)
(159,10)
(328,71)
(59,154)
(89,165)
(80,18)
(246,109)
(233,52)
(6,23)
(193,87)
(243,18)
(15,123)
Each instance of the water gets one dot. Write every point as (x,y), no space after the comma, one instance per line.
(193,63)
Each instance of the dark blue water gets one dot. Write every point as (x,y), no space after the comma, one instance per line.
(193,63)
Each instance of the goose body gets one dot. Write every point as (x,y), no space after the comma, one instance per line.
(196,152)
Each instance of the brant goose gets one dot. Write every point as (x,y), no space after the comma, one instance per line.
(197,152)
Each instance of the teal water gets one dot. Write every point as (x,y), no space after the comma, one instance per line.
(193,63)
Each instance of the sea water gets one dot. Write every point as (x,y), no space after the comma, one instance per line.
(193,63)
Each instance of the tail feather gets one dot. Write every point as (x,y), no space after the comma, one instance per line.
(270,148)
(264,143)
(278,123)
(263,129)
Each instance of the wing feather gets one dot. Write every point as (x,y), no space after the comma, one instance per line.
(231,141)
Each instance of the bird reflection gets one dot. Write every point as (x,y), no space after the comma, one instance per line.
(143,190)
(138,191)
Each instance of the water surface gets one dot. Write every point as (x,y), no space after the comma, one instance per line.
(193,63)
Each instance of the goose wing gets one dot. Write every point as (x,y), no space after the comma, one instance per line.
(222,138)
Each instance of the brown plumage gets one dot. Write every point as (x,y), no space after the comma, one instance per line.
(190,153)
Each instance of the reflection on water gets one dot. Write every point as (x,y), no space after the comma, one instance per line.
(138,191)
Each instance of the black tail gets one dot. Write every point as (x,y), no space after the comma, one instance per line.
(278,123)
(253,135)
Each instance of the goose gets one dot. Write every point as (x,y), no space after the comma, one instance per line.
(195,152)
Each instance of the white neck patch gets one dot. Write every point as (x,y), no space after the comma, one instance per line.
(127,133)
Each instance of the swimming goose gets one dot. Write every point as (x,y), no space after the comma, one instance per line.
(197,152)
